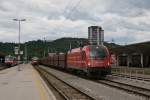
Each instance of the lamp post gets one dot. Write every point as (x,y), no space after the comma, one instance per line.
(44,47)
(19,21)
(26,55)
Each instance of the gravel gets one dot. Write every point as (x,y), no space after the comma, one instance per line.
(100,91)
(138,83)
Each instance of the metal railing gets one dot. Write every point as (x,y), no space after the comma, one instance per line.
(132,73)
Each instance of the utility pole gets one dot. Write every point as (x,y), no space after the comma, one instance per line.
(44,47)
(26,55)
(70,47)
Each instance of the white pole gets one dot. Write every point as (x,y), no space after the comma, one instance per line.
(26,52)
(19,47)
(19,21)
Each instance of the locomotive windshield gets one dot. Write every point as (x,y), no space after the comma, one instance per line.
(97,52)
(8,58)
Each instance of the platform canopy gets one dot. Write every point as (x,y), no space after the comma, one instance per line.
(143,48)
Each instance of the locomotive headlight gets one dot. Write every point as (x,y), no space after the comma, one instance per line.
(89,63)
(108,63)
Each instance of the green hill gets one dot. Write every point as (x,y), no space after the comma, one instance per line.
(40,48)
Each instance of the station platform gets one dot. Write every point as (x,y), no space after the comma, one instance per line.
(23,85)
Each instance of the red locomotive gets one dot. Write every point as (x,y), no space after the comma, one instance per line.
(10,61)
(92,60)
(34,61)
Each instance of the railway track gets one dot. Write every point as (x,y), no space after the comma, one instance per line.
(67,91)
(122,86)
(2,68)
(131,77)
(126,87)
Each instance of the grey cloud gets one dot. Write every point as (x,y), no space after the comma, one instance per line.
(47,18)
(133,26)
(129,8)
(82,15)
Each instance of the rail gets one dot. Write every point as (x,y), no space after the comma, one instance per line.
(67,91)
(136,77)
(2,68)
(126,87)
(132,73)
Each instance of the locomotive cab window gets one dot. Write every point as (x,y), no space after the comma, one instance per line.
(100,53)
(97,52)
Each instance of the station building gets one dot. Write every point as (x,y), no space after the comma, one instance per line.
(133,55)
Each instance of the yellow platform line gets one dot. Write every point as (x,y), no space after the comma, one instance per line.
(38,84)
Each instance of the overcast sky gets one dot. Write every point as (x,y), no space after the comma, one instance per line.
(124,21)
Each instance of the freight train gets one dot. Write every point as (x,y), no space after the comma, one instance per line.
(92,60)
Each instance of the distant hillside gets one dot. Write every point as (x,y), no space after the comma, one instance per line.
(6,48)
(40,48)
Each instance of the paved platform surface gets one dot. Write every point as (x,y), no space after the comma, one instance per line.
(23,85)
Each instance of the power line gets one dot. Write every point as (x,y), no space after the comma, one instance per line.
(73,8)
(70,12)
(67,6)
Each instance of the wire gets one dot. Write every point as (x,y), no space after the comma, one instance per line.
(73,9)
(69,13)
(67,6)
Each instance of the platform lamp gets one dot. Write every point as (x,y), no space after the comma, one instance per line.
(19,21)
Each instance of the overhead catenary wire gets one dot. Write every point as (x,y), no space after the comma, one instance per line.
(69,13)
(73,9)
(67,6)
